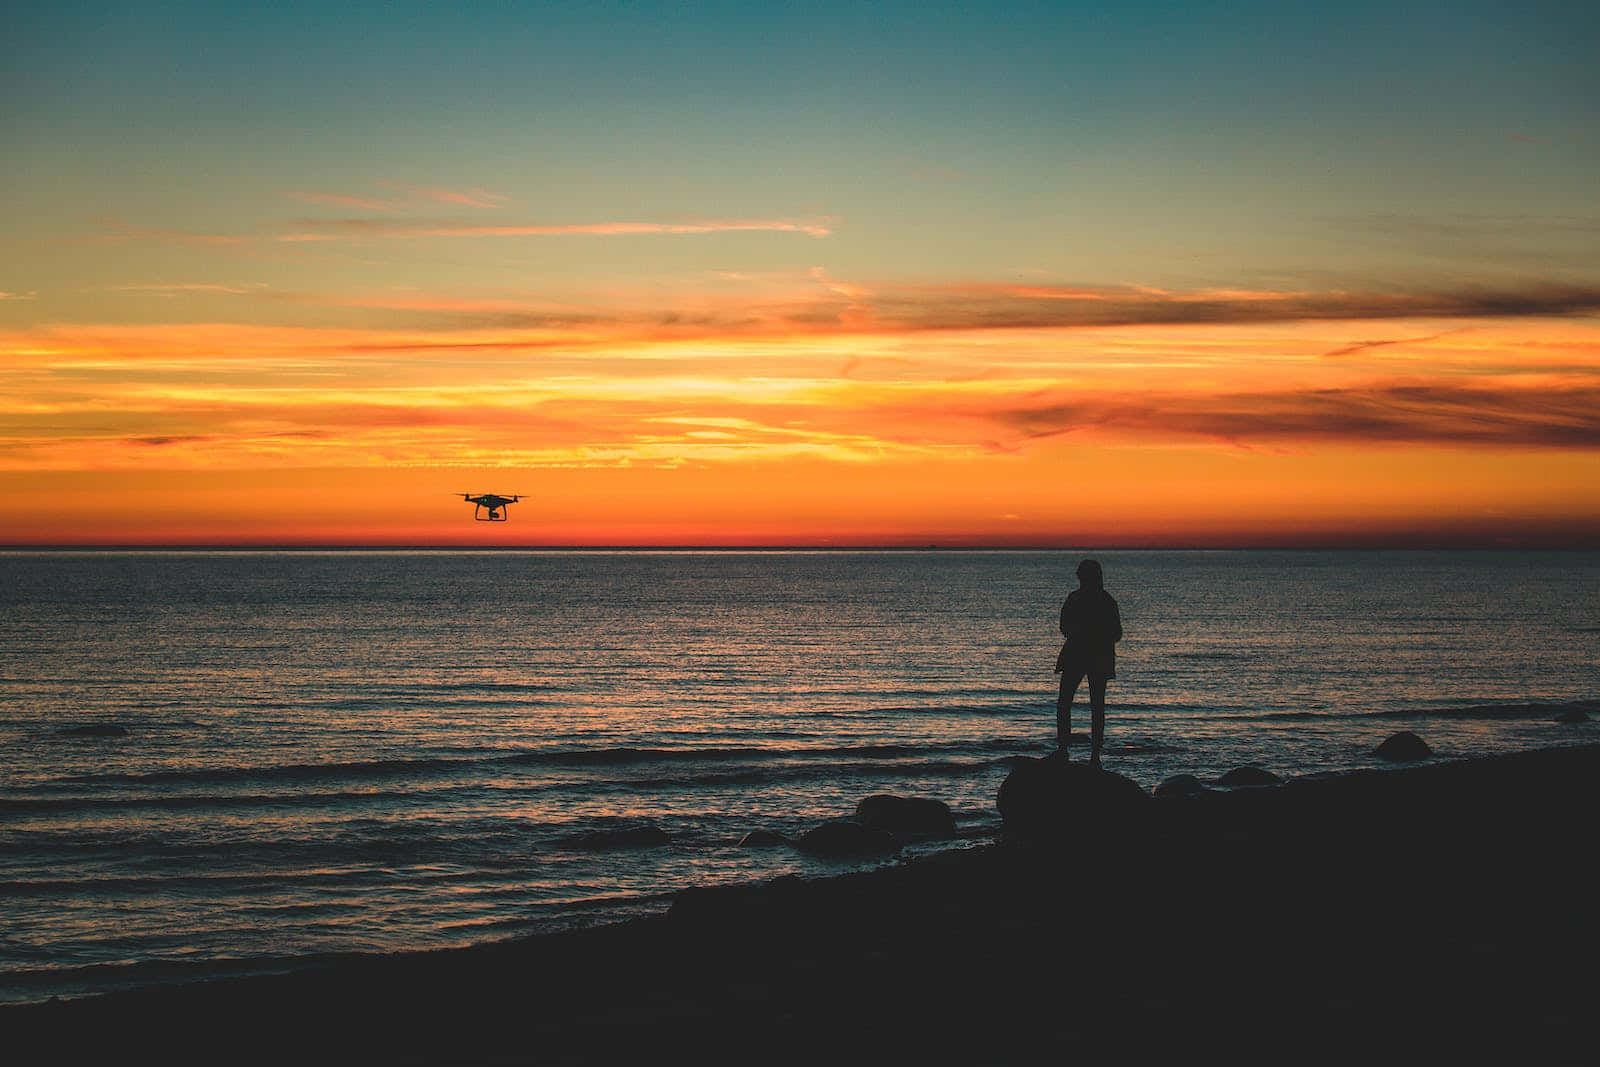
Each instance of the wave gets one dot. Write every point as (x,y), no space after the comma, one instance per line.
(1021,707)
(757,775)
(1492,711)
(167,883)
(35,983)
(767,776)
(1495,712)
(182,801)
(616,756)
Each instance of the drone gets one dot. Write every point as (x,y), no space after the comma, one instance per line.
(490,507)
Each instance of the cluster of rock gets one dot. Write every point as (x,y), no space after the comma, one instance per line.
(882,823)
(1053,796)
(1187,785)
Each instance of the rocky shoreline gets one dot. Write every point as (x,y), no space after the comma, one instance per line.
(1434,911)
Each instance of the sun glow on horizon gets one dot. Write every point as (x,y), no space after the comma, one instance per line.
(957,274)
(1279,431)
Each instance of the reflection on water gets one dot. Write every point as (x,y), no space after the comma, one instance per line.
(363,751)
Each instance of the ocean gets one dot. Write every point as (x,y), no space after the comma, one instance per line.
(371,751)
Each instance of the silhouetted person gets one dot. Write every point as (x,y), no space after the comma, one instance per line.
(1092,626)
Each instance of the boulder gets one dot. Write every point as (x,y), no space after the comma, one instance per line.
(1053,797)
(98,729)
(844,837)
(1180,785)
(1249,776)
(907,816)
(762,839)
(1403,747)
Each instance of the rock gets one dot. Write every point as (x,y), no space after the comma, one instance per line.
(762,839)
(1403,747)
(647,835)
(910,816)
(1180,785)
(99,729)
(843,837)
(1249,776)
(1572,715)
(1055,797)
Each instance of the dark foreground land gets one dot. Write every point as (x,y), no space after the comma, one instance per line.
(1440,913)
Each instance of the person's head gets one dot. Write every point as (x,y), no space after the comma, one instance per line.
(1089,574)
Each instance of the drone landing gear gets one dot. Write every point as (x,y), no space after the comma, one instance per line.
(494,514)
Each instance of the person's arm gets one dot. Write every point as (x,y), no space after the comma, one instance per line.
(1116,622)
(1066,617)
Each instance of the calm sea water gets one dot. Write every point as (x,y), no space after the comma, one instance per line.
(373,751)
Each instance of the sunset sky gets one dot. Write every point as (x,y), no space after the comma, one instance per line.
(833,274)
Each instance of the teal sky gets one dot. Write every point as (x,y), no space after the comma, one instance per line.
(1148,144)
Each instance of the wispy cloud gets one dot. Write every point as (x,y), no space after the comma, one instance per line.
(18,296)
(192,287)
(337,229)
(830,306)
(406,198)
(1411,412)
(468,197)
(818,305)
(1363,346)
(993,306)
(340,200)
(348,229)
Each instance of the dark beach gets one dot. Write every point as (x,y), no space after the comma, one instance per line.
(1434,912)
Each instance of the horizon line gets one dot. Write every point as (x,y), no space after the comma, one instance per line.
(1577,545)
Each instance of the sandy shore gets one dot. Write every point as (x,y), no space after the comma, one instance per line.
(1439,912)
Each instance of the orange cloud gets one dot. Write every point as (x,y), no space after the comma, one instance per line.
(813,405)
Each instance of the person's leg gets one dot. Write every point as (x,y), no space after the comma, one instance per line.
(1097,717)
(1069,687)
